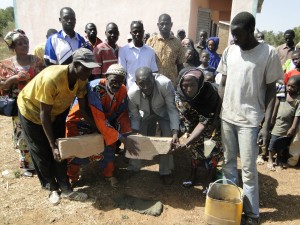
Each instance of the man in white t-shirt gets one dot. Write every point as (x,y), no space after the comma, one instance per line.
(248,87)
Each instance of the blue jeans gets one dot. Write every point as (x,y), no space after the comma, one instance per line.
(242,139)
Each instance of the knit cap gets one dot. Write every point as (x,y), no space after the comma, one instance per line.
(116,69)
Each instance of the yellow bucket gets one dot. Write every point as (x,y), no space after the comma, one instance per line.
(224,204)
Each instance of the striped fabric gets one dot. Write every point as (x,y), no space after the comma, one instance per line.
(60,47)
(105,55)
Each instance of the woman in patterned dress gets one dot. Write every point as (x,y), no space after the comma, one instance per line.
(15,73)
(198,102)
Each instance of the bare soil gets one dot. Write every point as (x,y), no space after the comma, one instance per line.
(22,201)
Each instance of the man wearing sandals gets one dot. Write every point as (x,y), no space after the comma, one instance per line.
(108,104)
(47,96)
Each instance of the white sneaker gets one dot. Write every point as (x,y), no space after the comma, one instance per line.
(54,198)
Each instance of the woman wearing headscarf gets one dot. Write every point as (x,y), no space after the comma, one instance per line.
(15,73)
(212,47)
(198,102)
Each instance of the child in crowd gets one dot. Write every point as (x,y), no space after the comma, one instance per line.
(288,65)
(188,43)
(189,57)
(204,59)
(296,70)
(209,77)
(212,47)
(294,151)
(285,120)
(280,93)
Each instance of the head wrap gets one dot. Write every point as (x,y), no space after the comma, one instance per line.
(12,36)
(214,58)
(193,72)
(216,40)
(206,99)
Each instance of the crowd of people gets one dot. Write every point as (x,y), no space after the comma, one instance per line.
(245,99)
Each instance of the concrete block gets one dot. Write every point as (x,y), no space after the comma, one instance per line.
(150,146)
(80,146)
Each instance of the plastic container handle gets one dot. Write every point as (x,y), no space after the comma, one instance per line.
(211,184)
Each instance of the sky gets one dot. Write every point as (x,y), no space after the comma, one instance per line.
(6,3)
(276,15)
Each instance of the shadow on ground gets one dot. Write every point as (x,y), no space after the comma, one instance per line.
(284,207)
(145,184)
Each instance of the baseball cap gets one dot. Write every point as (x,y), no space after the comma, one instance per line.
(85,57)
(116,69)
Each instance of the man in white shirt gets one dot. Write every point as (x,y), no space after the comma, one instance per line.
(136,54)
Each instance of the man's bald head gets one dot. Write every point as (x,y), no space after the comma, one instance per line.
(145,80)
(112,34)
(165,25)
(143,73)
(66,9)
(111,25)
(164,17)
(88,25)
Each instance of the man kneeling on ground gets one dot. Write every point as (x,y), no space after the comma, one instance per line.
(108,104)
(152,101)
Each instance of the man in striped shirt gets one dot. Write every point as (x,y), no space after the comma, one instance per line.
(106,53)
(60,46)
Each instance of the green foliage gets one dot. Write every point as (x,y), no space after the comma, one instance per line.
(17,174)
(4,51)
(6,20)
(297,32)
(10,26)
(276,39)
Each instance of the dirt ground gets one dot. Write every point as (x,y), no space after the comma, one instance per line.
(22,201)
